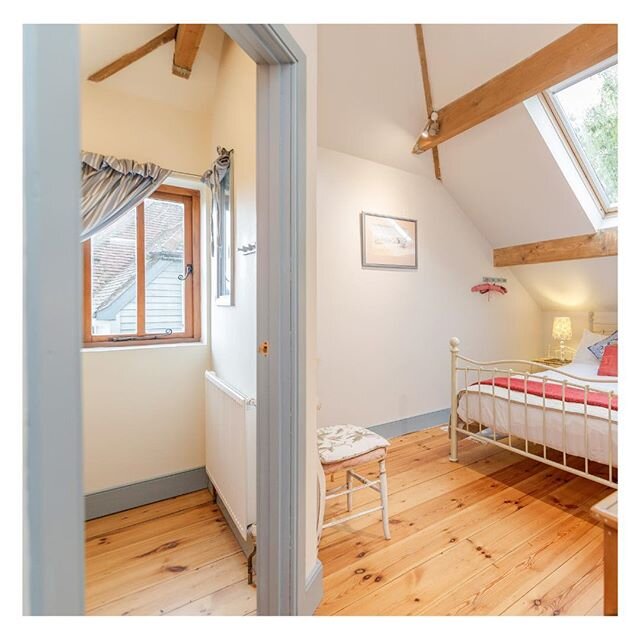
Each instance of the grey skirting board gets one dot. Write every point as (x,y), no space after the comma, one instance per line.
(414,423)
(103,503)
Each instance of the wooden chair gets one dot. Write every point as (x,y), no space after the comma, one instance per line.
(344,448)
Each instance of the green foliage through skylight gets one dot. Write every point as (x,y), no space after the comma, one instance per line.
(589,108)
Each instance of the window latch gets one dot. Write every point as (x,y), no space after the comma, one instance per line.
(187,272)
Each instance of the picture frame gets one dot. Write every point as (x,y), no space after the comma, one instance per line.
(388,242)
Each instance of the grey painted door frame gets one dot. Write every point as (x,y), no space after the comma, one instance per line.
(54,509)
(281,208)
(53,555)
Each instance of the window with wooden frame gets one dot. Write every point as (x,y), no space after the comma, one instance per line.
(142,274)
(585,111)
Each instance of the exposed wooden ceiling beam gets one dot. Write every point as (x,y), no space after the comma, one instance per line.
(132,56)
(426,84)
(596,245)
(579,49)
(187,43)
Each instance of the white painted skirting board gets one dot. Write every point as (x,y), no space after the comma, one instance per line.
(103,503)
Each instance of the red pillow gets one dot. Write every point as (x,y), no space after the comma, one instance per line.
(609,362)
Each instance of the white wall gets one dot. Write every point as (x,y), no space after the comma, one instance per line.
(233,339)
(143,413)
(383,335)
(143,407)
(145,130)
(501,172)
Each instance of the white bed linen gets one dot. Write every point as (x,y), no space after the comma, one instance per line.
(544,426)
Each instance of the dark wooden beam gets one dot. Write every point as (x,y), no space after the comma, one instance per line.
(187,43)
(132,56)
(581,48)
(426,84)
(596,245)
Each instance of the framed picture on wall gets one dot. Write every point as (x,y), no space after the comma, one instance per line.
(388,242)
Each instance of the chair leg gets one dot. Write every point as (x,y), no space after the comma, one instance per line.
(384,499)
(349,488)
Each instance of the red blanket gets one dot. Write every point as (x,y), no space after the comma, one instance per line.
(554,391)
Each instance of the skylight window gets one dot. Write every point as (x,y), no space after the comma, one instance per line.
(586,108)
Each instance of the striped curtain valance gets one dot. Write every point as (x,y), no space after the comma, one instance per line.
(111,187)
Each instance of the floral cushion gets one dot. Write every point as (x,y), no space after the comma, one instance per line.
(344,441)
(598,348)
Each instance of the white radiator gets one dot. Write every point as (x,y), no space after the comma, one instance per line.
(230,444)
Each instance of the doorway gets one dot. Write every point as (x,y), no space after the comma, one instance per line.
(54,513)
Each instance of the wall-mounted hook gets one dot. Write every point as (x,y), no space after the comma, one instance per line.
(247,249)
(494,280)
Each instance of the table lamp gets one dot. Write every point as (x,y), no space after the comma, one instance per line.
(561,331)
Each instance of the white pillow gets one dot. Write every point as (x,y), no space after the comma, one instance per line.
(583,355)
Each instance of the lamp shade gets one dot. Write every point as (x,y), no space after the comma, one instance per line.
(561,328)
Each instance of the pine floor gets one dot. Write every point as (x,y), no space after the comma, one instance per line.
(174,557)
(495,534)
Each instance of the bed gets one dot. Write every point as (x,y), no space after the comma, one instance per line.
(566,417)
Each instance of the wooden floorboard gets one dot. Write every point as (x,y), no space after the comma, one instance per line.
(238,599)
(493,534)
(174,557)
(116,521)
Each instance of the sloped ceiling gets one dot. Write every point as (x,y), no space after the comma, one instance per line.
(151,77)
(575,285)
(370,101)
(371,105)
(501,172)
(504,177)
(463,56)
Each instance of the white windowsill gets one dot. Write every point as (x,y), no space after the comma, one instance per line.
(139,347)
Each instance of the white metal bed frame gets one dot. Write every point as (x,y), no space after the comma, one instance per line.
(482,371)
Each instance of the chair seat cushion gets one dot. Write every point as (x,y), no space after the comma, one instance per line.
(344,441)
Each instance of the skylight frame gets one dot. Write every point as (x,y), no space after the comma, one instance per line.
(570,140)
